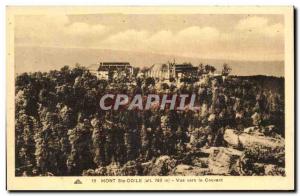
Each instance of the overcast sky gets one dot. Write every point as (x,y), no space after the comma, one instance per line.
(232,37)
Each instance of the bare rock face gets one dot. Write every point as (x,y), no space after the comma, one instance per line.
(231,137)
(252,138)
(256,139)
(264,151)
(188,170)
(224,161)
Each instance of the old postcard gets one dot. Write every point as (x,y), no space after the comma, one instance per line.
(150,98)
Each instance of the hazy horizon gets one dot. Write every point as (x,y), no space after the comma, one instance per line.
(33,59)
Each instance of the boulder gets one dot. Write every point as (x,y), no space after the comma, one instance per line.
(231,137)
(224,161)
(258,146)
(251,138)
(188,170)
(162,166)
(256,139)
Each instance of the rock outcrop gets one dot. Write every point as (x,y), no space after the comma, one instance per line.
(224,161)
(188,170)
(162,166)
(252,138)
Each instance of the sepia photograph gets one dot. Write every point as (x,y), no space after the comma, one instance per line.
(150,98)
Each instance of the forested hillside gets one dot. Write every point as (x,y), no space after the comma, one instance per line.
(61,130)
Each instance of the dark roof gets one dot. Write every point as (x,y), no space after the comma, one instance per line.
(184,65)
(105,66)
(114,63)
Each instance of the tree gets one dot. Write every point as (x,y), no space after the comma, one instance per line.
(226,70)
(201,69)
(150,81)
(209,69)
(49,137)
(136,70)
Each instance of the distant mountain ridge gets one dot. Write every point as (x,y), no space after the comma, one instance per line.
(32,59)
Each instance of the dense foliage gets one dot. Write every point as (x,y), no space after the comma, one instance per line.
(60,129)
